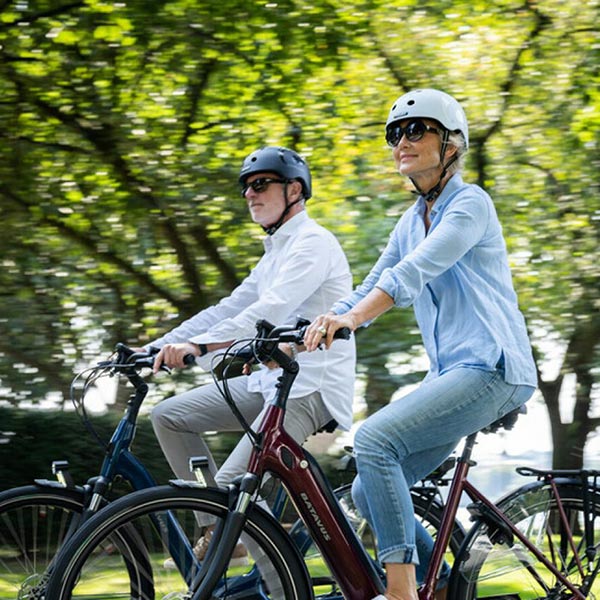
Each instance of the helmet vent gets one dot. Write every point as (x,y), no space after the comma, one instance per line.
(410,102)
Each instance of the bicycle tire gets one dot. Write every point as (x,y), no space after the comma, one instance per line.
(493,564)
(35,521)
(81,569)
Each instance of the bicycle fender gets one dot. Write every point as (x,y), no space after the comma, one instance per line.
(52,483)
(189,484)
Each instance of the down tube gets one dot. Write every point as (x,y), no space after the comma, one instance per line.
(315,502)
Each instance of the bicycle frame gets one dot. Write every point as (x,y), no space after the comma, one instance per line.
(312,497)
(277,453)
(460,484)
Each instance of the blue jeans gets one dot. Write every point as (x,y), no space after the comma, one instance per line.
(406,440)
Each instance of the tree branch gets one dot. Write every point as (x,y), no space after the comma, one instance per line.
(29,18)
(541,22)
(92,245)
(196,90)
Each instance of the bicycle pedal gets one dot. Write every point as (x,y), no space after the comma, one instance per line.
(199,467)
(347,463)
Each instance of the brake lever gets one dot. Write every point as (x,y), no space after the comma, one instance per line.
(188,359)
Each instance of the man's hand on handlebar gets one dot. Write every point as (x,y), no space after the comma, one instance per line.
(325,326)
(138,349)
(173,355)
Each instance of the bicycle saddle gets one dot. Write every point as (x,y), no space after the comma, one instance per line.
(507,421)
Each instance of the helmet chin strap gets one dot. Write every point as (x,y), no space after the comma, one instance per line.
(435,191)
(271,229)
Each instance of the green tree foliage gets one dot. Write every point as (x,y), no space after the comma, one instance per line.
(124,125)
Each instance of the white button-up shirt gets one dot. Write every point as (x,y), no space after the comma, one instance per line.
(301,274)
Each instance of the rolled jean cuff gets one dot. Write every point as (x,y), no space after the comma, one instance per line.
(444,577)
(403,555)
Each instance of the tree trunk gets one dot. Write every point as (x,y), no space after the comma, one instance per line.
(569,439)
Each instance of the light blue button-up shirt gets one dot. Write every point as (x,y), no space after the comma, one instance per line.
(457,278)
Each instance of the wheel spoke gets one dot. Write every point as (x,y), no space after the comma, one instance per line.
(33,525)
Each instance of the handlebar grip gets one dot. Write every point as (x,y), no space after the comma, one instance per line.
(342,334)
(189,359)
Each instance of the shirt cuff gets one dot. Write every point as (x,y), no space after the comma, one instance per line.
(393,287)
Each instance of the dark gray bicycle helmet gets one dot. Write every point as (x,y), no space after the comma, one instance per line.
(276,159)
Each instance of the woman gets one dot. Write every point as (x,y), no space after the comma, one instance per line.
(447,258)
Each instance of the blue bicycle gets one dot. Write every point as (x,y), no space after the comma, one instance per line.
(36,520)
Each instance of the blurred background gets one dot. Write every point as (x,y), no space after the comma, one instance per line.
(123,127)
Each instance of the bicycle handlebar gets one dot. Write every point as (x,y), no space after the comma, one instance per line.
(126,359)
(264,346)
(295,333)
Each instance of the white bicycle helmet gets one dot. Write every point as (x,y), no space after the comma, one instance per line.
(431,104)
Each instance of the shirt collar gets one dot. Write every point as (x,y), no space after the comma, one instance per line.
(286,231)
(454,183)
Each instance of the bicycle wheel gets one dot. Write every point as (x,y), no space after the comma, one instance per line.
(494,564)
(33,524)
(87,567)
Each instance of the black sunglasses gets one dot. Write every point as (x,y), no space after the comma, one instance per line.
(260,185)
(414,131)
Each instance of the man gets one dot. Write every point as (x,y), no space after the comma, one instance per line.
(301,273)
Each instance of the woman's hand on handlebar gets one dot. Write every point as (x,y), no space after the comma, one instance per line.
(173,355)
(325,326)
